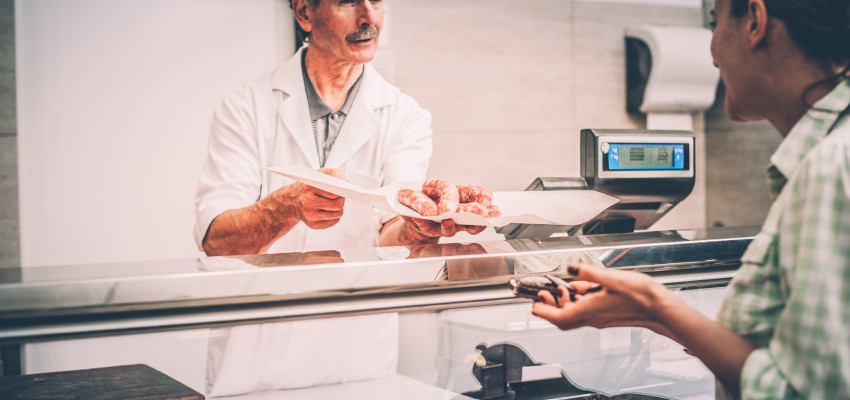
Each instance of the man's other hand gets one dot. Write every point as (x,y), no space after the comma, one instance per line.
(317,208)
(433,229)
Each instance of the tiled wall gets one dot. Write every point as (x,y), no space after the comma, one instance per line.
(511,84)
(10,254)
(738,154)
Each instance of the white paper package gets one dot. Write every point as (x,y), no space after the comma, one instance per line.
(556,207)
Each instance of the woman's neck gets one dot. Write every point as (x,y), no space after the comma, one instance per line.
(796,86)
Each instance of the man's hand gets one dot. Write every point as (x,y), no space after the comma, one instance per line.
(446,227)
(317,208)
(405,230)
(255,228)
(438,197)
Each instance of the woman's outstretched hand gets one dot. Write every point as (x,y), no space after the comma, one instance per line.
(604,298)
(609,298)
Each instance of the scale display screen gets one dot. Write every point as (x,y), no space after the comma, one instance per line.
(644,156)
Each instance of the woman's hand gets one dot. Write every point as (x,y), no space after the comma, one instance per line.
(630,298)
(626,298)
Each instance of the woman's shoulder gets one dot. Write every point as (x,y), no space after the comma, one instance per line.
(837,141)
(829,161)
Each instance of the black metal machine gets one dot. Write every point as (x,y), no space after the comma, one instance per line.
(500,374)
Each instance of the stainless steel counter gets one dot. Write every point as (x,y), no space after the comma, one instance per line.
(56,302)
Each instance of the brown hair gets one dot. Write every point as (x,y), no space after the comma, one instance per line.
(820,28)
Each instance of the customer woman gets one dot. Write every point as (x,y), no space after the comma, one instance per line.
(783,330)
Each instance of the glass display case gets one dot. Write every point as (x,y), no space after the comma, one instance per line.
(424,322)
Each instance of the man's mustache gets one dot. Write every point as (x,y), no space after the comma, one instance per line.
(363,33)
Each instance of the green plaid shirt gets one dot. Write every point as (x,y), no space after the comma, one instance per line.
(791,296)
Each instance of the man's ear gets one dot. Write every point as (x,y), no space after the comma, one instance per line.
(303,14)
(756,22)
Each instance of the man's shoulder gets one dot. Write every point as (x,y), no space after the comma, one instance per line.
(250,93)
(382,93)
(262,82)
(375,83)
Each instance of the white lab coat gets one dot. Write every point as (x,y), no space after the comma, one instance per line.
(386,138)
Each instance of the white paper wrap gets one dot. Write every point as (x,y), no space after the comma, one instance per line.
(557,207)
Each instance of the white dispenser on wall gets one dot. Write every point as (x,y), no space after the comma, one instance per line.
(669,74)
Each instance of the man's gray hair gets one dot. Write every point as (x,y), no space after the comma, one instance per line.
(311,3)
(302,36)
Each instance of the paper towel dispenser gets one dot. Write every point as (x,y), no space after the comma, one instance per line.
(669,69)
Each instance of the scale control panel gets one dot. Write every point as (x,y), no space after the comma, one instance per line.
(629,154)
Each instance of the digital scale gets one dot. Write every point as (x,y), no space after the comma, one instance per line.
(649,171)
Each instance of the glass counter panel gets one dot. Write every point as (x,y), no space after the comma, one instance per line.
(612,361)
(413,355)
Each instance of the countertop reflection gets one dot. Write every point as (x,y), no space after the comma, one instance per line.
(74,289)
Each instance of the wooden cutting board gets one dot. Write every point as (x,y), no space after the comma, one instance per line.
(124,382)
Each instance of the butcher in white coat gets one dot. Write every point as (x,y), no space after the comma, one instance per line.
(326,108)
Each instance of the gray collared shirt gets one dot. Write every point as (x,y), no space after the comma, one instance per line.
(326,122)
